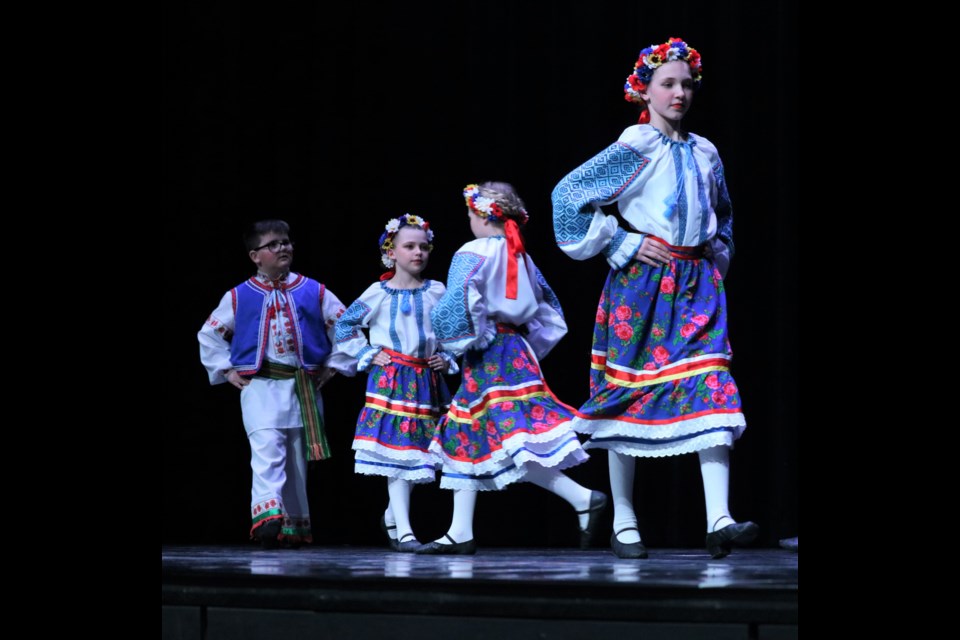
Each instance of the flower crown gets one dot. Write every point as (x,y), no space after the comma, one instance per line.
(655,56)
(488,207)
(392,227)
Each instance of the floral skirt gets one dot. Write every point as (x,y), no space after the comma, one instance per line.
(660,380)
(404,401)
(503,418)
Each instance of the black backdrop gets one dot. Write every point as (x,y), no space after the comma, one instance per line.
(338,120)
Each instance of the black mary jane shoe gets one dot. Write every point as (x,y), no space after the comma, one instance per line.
(455,548)
(720,542)
(408,543)
(598,504)
(632,550)
(392,543)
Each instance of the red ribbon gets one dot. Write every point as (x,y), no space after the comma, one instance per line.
(514,246)
(388,274)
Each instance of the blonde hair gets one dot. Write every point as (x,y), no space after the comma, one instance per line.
(506,196)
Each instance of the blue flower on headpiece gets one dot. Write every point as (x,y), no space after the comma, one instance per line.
(653,57)
(392,227)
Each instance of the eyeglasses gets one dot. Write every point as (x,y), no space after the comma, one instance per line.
(276,245)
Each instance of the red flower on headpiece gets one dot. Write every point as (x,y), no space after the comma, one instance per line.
(635,84)
(652,58)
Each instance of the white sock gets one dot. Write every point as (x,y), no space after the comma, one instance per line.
(389,521)
(560,484)
(461,527)
(715,469)
(399,506)
(621,490)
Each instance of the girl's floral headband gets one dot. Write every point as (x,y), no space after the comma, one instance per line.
(488,207)
(655,56)
(392,227)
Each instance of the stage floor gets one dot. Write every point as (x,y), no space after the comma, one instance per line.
(210,592)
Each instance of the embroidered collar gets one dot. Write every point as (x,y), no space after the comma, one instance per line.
(395,291)
(690,141)
(266,282)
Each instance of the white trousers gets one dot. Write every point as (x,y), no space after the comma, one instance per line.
(279,473)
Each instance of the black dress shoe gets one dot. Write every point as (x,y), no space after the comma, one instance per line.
(392,543)
(598,502)
(455,548)
(408,543)
(721,541)
(268,534)
(627,549)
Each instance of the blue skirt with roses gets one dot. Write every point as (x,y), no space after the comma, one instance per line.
(502,419)
(660,382)
(404,402)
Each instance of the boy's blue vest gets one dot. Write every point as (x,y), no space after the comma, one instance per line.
(252,329)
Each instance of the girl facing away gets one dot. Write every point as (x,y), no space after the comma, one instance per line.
(504,424)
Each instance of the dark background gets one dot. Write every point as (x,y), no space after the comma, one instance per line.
(337,120)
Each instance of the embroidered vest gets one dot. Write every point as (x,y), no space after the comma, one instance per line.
(251,305)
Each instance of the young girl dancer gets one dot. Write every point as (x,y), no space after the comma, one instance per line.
(660,382)
(504,424)
(405,392)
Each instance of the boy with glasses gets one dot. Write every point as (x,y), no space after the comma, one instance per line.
(270,337)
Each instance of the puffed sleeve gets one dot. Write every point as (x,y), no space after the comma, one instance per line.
(722,243)
(435,293)
(352,350)
(581,228)
(333,311)
(214,337)
(546,329)
(459,318)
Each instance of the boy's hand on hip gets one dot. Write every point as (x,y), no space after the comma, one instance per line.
(236,379)
(324,376)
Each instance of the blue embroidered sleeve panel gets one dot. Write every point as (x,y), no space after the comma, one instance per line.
(615,243)
(723,208)
(352,351)
(581,229)
(350,323)
(547,328)
(548,295)
(452,318)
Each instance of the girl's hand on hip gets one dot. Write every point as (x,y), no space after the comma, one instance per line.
(437,363)
(653,253)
